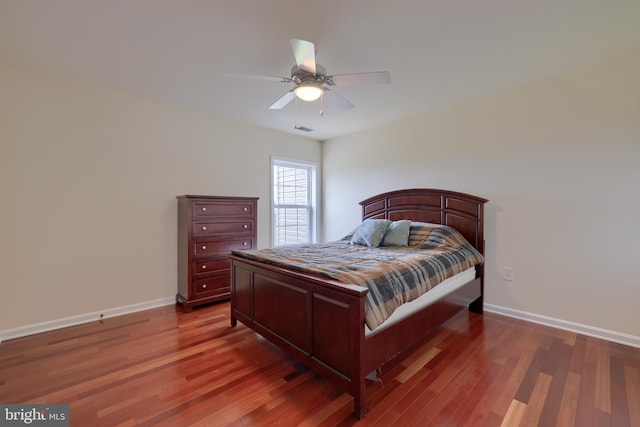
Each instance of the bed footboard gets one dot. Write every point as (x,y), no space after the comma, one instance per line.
(319,323)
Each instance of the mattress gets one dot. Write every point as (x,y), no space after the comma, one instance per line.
(407,309)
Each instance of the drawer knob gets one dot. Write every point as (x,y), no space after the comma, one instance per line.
(204,227)
(245,226)
(204,286)
(204,267)
(245,209)
(204,209)
(204,247)
(244,243)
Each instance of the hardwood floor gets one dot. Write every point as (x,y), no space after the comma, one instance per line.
(162,367)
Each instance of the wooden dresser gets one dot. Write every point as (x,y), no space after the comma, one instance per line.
(209,228)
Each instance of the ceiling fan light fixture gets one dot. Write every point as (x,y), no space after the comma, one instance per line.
(308,91)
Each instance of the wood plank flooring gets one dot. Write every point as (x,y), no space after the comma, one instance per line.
(162,367)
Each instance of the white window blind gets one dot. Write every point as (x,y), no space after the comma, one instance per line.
(293,207)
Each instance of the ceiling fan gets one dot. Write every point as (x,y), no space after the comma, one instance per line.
(311,80)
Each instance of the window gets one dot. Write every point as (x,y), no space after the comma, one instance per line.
(293,201)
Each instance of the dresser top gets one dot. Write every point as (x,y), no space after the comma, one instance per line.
(191,196)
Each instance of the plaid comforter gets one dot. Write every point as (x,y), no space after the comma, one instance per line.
(394,275)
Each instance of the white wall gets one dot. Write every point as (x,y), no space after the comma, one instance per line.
(88,180)
(559,161)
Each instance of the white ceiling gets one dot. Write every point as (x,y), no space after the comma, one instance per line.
(439,52)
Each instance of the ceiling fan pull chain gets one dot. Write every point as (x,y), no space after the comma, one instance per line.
(295,124)
(321,108)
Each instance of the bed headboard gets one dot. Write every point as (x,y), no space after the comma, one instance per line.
(463,212)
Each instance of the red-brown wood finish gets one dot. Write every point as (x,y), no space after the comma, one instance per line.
(321,322)
(163,367)
(209,228)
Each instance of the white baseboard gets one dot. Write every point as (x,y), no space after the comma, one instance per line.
(566,325)
(37,328)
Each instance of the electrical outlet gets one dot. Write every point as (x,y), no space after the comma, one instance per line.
(509,274)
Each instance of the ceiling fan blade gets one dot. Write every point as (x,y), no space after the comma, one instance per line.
(305,53)
(284,100)
(358,78)
(253,77)
(337,100)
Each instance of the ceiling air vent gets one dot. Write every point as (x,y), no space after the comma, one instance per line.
(304,129)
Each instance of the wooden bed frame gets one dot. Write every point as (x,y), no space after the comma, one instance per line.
(321,322)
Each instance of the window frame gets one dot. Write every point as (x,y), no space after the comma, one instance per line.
(313,192)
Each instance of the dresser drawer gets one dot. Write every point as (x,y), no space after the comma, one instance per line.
(214,285)
(221,247)
(209,266)
(211,209)
(217,228)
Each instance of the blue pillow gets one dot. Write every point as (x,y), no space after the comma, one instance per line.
(370,232)
(397,233)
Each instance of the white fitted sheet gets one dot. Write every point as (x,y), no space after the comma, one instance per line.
(407,309)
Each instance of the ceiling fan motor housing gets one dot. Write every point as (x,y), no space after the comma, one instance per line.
(302,76)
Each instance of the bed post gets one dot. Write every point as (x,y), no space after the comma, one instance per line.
(359,395)
(477,305)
